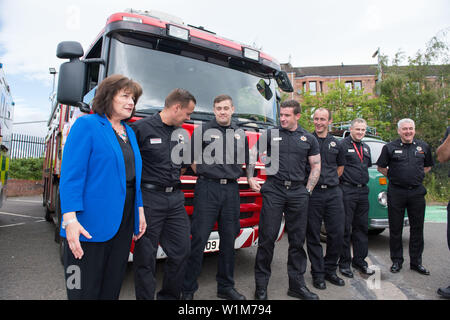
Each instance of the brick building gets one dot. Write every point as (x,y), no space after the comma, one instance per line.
(318,79)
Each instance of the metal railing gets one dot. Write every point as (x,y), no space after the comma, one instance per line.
(24,146)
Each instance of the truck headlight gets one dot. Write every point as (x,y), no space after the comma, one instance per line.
(382,198)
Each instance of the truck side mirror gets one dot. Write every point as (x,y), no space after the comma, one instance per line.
(72,74)
(283,81)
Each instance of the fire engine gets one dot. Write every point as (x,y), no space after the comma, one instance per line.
(161,52)
(6,122)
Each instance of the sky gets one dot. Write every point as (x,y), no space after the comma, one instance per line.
(304,33)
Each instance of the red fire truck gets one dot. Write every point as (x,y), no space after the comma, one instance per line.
(161,53)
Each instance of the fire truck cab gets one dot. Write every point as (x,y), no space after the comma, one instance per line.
(162,53)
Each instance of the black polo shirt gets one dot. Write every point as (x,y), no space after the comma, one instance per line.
(356,169)
(219,151)
(156,141)
(406,162)
(332,156)
(294,149)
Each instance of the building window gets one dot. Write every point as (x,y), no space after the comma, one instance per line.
(313,87)
(349,85)
(358,85)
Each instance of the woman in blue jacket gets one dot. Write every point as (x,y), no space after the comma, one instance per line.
(100,193)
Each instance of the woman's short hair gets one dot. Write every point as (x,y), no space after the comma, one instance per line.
(108,88)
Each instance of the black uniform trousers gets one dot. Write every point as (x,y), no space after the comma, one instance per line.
(294,203)
(413,200)
(214,202)
(167,225)
(103,265)
(325,205)
(356,205)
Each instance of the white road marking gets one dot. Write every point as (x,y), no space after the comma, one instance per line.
(12,225)
(19,215)
(39,219)
(23,200)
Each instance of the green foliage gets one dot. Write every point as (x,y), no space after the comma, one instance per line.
(437,183)
(345,104)
(419,90)
(28,169)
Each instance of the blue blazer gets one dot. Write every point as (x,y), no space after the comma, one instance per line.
(93,177)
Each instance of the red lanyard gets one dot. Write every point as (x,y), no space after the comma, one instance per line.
(360,155)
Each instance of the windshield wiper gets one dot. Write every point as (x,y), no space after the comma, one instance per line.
(252,120)
(148,110)
(201,115)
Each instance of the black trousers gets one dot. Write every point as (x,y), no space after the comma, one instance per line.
(325,205)
(356,205)
(294,203)
(101,270)
(214,202)
(413,201)
(167,225)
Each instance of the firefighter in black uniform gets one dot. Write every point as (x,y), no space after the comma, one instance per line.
(405,161)
(289,148)
(325,204)
(163,200)
(219,150)
(354,181)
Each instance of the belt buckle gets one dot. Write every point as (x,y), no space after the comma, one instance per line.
(359,185)
(287,184)
(323,186)
(223,181)
(168,189)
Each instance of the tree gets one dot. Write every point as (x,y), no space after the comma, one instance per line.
(345,104)
(419,90)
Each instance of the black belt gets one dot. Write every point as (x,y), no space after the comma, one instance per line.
(220,181)
(404,186)
(287,183)
(353,184)
(323,186)
(159,188)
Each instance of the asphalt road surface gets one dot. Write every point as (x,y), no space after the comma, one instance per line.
(30,267)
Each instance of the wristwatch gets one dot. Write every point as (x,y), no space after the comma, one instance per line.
(309,191)
(65,224)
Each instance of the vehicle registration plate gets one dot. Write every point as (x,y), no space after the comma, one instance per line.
(212,245)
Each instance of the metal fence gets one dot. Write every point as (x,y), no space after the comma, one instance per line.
(24,146)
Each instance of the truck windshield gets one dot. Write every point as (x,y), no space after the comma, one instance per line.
(160,72)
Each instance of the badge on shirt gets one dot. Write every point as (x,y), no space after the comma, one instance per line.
(398,151)
(237,136)
(351,150)
(303,138)
(277,139)
(419,148)
(332,144)
(155,140)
